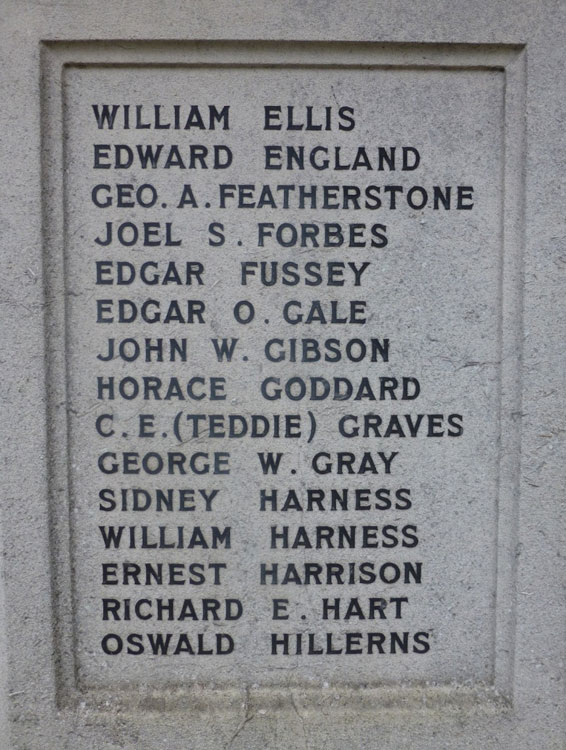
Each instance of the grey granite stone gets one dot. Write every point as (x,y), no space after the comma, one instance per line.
(396,581)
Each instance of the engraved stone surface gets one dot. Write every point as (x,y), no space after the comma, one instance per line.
(283,342)
(283,348)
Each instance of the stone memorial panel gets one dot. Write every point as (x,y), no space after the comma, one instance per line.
(282,436)
(283,332)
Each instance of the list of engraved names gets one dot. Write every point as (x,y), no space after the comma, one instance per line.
(282,305)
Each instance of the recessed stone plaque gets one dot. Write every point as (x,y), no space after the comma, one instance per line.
(283,335)
(282,357)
